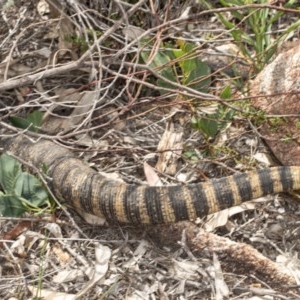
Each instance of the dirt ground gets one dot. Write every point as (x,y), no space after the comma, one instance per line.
(78,63)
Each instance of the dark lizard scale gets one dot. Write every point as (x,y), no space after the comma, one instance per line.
(223,193)
(106,205)
(286,179)
(201,206)
(153,205)
(266,182)
(244,186)
(130,203)
(54,168)
(85,190)
(178,203)
(85,194)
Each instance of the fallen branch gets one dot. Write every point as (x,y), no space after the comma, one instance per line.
(238,258)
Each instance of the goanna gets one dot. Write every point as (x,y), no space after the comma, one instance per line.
(85,190)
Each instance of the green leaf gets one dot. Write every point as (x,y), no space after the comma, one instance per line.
(10,168)
(160,58)
(226,93)
(195,72)
(188,47)
(168,74)
(33,121)
(208,125)
(36,118)
(30,189)
(187,61)
(225,22)
(22,191)
(211,124)
(11,206)
(191,155)
(197,75)
(20,122)
(178,52)
(159,63)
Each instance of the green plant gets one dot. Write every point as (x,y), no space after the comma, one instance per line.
(21,191)
(177,65)
(276,122)
(83,41)
(211,124)
(251,29)
(191,155)
(183,66)
(297,125)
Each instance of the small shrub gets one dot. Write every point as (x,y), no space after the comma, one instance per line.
(21,191)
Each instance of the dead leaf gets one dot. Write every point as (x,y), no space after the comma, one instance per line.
(16,231)
(103,255)
(54,229)
(66,33)
(54,7)
(186,269)
(221,287)
(62,256)
(132,32)
(152,177)
(92,219)
(68,276)
(220,218)
(66,29)
(83,104)
(169,149)
(137,255)
(50,295)
(263,158)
